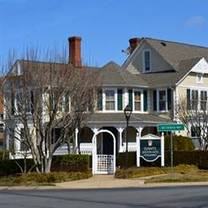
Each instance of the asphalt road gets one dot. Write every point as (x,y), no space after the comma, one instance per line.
(196,197)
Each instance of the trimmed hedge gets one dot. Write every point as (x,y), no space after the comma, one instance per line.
(71,163)
(66,163)
(120,159)
(180,143)
(198,158)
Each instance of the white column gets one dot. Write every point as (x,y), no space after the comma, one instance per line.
(162,150)
(138,139)
(94,151)
(17,139)
(76,140)
(120,130)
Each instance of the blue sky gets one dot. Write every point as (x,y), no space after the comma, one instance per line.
(105,26)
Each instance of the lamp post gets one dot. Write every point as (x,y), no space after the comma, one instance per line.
(127,113)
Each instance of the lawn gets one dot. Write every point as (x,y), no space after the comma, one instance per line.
(180,173)
(40,179)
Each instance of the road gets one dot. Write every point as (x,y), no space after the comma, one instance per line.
(196,197)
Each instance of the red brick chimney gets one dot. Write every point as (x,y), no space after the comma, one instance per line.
(75,51)
(134,42)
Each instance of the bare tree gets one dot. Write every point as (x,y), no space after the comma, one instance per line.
(45,102)
(195,116)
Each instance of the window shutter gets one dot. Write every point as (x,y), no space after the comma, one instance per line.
(32,101)
(155,100)
(169,98)
(145,100)
(120,100)
(130,99)
(100,100)
(188,92)
(67,102)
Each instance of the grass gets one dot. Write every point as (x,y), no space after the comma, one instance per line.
(37,179)
(180,173)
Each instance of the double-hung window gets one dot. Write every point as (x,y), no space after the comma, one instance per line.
(203,100)
(109,100)
(194,99)
(137,101)
(162,100)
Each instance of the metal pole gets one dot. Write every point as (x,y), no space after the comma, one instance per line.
(171,151)
(127,141)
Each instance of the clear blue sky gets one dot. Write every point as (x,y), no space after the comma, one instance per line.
(104,25)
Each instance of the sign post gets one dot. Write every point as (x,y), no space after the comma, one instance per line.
(170,128)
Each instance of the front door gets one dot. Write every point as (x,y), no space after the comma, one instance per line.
(104,148)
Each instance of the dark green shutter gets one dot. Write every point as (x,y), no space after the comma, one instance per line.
(130,99)
(188,92)
(145,100)
(120,100)
(100,100)
(155,100)
(169,98)
(67,102)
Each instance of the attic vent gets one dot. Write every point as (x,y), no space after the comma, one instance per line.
(163,43)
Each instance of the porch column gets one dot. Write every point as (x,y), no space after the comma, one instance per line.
(94,152)
(138,137)
(76,140)
(120,130)
(17,139)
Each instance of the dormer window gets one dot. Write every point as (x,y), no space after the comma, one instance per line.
(146,61)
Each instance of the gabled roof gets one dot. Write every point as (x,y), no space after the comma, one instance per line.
(111,74)
(175,52)
(170,78)
(181,56)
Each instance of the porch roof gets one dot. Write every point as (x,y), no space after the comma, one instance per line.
(137,118)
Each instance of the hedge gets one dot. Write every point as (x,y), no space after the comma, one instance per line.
(198,158)
(68,163)
(180,143)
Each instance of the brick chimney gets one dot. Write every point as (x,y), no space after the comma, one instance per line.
(134,42)
(75,51)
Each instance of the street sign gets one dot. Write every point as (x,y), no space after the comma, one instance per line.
(170,127)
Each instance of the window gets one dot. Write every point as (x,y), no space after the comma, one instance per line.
(194,99)
(23,144)
(162,100)
(195,132)
(199,78)
(110,100)
(203,100)
(146,61)
(137,101)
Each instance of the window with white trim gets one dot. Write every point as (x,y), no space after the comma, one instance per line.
(137,100)
(146,60)
(194,99)
(162,99)
(203,100)
(109,100)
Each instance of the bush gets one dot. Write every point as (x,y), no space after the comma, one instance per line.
(120,159)
(197,158)
(180,143)
(71,163)
(66,163)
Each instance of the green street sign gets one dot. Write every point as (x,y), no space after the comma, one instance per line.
(170,127)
